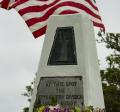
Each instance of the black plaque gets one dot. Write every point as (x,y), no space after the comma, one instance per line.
(63,50)
(68,91)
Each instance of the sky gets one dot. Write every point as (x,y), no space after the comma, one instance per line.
(20,53)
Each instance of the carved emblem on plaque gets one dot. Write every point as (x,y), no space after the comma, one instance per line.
(63,50)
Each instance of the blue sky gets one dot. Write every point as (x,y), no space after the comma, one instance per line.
(20,53)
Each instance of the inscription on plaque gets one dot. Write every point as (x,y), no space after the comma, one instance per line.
(68,91)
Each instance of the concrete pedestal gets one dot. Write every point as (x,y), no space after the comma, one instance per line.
(87,61)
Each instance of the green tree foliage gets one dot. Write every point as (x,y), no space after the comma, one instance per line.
(28,94)
(111,75)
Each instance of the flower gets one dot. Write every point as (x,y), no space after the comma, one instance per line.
(41,109)
(88,109)
(77,109)
(58,108)
(52,108)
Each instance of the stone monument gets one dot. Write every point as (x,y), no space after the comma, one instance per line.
(68,68)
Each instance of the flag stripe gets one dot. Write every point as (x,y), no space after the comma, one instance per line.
(99,25)
(19,2)
(43,24)
(5,3)
(34,7)
(40,32)
(91,3)
(68,12)
(37,12)
(51,11)
(29,3)
(40,14)
(59,11)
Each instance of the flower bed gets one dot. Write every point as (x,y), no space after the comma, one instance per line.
(58,108)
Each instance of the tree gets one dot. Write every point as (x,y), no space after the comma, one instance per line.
(111,75)
(28,94)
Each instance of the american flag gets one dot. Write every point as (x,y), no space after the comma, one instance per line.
(6,3)
(37,12)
